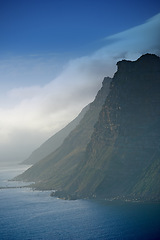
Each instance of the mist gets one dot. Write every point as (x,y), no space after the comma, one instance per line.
(29,115)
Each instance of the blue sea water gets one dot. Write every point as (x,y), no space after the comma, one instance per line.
(26,214)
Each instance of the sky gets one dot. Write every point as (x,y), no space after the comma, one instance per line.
(54,56)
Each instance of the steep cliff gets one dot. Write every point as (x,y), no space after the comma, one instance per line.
(53,171)
(122,160)
(119,156)
(55,141)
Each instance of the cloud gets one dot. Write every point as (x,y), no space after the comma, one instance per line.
(34,113)
(135,41)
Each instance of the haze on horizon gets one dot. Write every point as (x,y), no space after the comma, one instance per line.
(45,82)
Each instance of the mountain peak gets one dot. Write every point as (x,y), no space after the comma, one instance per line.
(147,62)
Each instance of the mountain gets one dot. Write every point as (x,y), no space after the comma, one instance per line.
(53,170)
(55,141)
(119,156)
(122,159)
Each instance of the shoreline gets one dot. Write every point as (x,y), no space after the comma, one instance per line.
(14,187)
(118,199)
(73,198)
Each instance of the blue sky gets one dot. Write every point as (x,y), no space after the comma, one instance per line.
(65,26)
(54,31)
(54,56)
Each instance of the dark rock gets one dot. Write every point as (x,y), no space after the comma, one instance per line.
(122,159)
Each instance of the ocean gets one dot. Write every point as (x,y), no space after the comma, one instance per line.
(26,214)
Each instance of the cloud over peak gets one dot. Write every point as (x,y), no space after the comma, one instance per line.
(29,115)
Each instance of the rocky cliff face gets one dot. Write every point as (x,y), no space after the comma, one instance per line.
(122,160)
(53,171)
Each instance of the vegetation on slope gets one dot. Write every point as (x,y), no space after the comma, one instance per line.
(122,159)
(53,171)
(119,157)
(55,141)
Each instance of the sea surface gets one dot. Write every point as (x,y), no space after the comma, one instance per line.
(26,214)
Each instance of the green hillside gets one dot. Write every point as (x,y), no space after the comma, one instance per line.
(114,152)
(55,141)
(53,170)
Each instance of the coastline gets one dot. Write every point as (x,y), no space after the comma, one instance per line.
(66,196)
(63,194)
(69,197)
